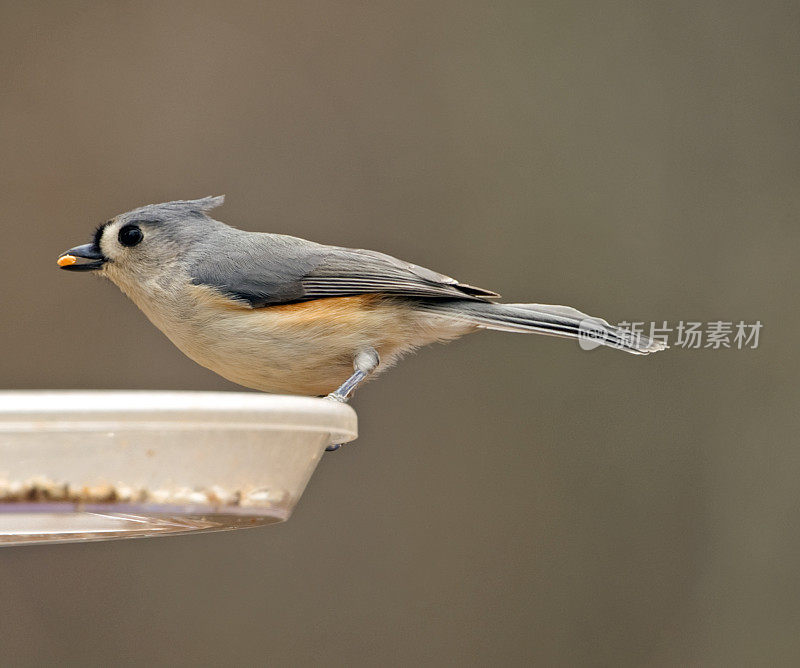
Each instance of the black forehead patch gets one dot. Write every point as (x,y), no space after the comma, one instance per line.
(98,233)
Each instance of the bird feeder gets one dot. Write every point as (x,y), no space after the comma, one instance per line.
(98,465)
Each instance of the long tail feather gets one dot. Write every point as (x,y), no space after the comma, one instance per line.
(546,319)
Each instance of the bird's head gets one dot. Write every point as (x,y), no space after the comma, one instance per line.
(140,242)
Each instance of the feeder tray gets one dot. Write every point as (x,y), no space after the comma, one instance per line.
(98,465)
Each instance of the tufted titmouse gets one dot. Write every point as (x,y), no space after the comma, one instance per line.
(281,314)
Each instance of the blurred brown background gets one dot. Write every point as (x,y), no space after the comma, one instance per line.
(511,500)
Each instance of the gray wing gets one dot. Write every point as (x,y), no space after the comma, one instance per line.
(271,269)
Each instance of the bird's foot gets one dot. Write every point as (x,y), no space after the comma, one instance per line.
(339,398)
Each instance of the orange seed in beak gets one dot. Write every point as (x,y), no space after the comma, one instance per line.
(66,260)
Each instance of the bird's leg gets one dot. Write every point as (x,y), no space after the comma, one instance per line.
(364,363)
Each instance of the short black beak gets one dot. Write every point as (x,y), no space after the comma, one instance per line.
(69,260)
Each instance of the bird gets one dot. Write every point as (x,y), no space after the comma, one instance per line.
(277,313)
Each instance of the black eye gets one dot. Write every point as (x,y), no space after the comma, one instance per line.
(130,235)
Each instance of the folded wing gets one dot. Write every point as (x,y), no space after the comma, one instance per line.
(268,269)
